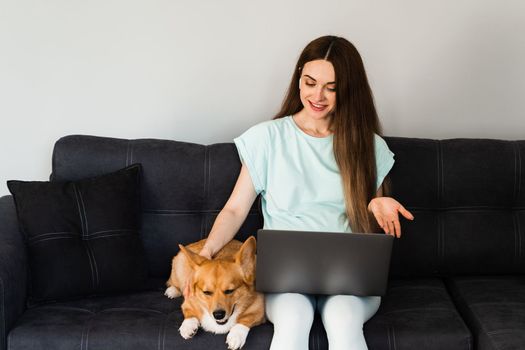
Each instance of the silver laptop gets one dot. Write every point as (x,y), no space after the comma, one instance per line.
(322,262)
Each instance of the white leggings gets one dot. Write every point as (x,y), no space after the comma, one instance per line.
(343,317)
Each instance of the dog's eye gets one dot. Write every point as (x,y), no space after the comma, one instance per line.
(207,292)
(229,291)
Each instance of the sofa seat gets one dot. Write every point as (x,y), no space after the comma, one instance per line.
(417,314)
(146,320)
(494,308)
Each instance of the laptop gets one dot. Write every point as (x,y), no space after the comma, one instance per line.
(322,262)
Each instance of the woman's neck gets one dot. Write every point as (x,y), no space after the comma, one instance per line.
(312,126)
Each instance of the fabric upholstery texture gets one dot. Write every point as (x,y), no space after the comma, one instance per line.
(184,186)
(13,269)
(82,236)
(417,314)
(468,199)
(495,307)
(467,196)
(146,320)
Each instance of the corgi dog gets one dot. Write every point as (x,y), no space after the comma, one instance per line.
(222,296)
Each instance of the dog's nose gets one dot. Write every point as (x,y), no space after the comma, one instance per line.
(219,314)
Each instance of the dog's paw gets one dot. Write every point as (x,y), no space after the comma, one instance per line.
(189,327)
(237,336)
(172,292)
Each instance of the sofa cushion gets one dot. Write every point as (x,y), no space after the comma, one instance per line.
(145,320)
(494,308)
(417,314)
(82,237)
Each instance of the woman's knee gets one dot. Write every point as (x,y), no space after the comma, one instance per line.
(348,309)
(290,310)
(343,318)
(292,317)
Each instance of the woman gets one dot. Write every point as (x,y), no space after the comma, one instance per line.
(319,165)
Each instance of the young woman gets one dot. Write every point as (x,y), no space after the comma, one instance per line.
(319,165)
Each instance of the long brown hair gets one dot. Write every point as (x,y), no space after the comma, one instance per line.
(354,122)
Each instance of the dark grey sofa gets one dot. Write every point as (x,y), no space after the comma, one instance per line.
(457,274)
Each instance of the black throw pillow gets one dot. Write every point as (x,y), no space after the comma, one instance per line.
(82,237)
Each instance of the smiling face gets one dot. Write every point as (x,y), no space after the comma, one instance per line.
(317,89)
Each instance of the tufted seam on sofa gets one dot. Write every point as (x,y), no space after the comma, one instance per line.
(124,309)
(469,342)
(393,336)
(85,236)
(440,193)
(178,211)
(391,344)
(203,228)
(84,232)
(203,216)
(52,239)
(86,332)
(517,238)
(520,240)
(113,309)
(496,303)
(519,176)
(191,211)
(162,332)
(417,309)
(131,147)
(68,308)
(3,330)
(205,186)
(517,184)
(208,184)
(68,235)
(119,232)
(82,226)
(128,152)
(52,234)
(388,337)
(517,172)
(506,330)
(440,288)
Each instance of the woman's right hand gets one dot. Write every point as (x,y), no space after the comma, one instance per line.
(186,292)
(205,252)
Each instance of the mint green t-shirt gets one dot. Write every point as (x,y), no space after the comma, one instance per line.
(298,177)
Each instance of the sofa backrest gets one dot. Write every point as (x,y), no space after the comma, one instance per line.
(467,196)
(468,199)
(184,186)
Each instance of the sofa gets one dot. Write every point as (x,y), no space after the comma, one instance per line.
(457,274)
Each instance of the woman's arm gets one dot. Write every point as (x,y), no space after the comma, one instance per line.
(229,219)
(232,215)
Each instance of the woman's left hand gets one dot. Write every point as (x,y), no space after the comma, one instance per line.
(385,210)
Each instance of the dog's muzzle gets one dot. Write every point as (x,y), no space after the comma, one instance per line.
(219,316)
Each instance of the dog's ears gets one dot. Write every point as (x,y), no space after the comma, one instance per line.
(194,259)
(245,257)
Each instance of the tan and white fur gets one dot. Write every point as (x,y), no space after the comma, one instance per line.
(222,296)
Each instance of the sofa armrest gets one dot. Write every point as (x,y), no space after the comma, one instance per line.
(13,269)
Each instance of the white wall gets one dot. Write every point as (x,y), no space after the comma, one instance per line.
(204,71)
